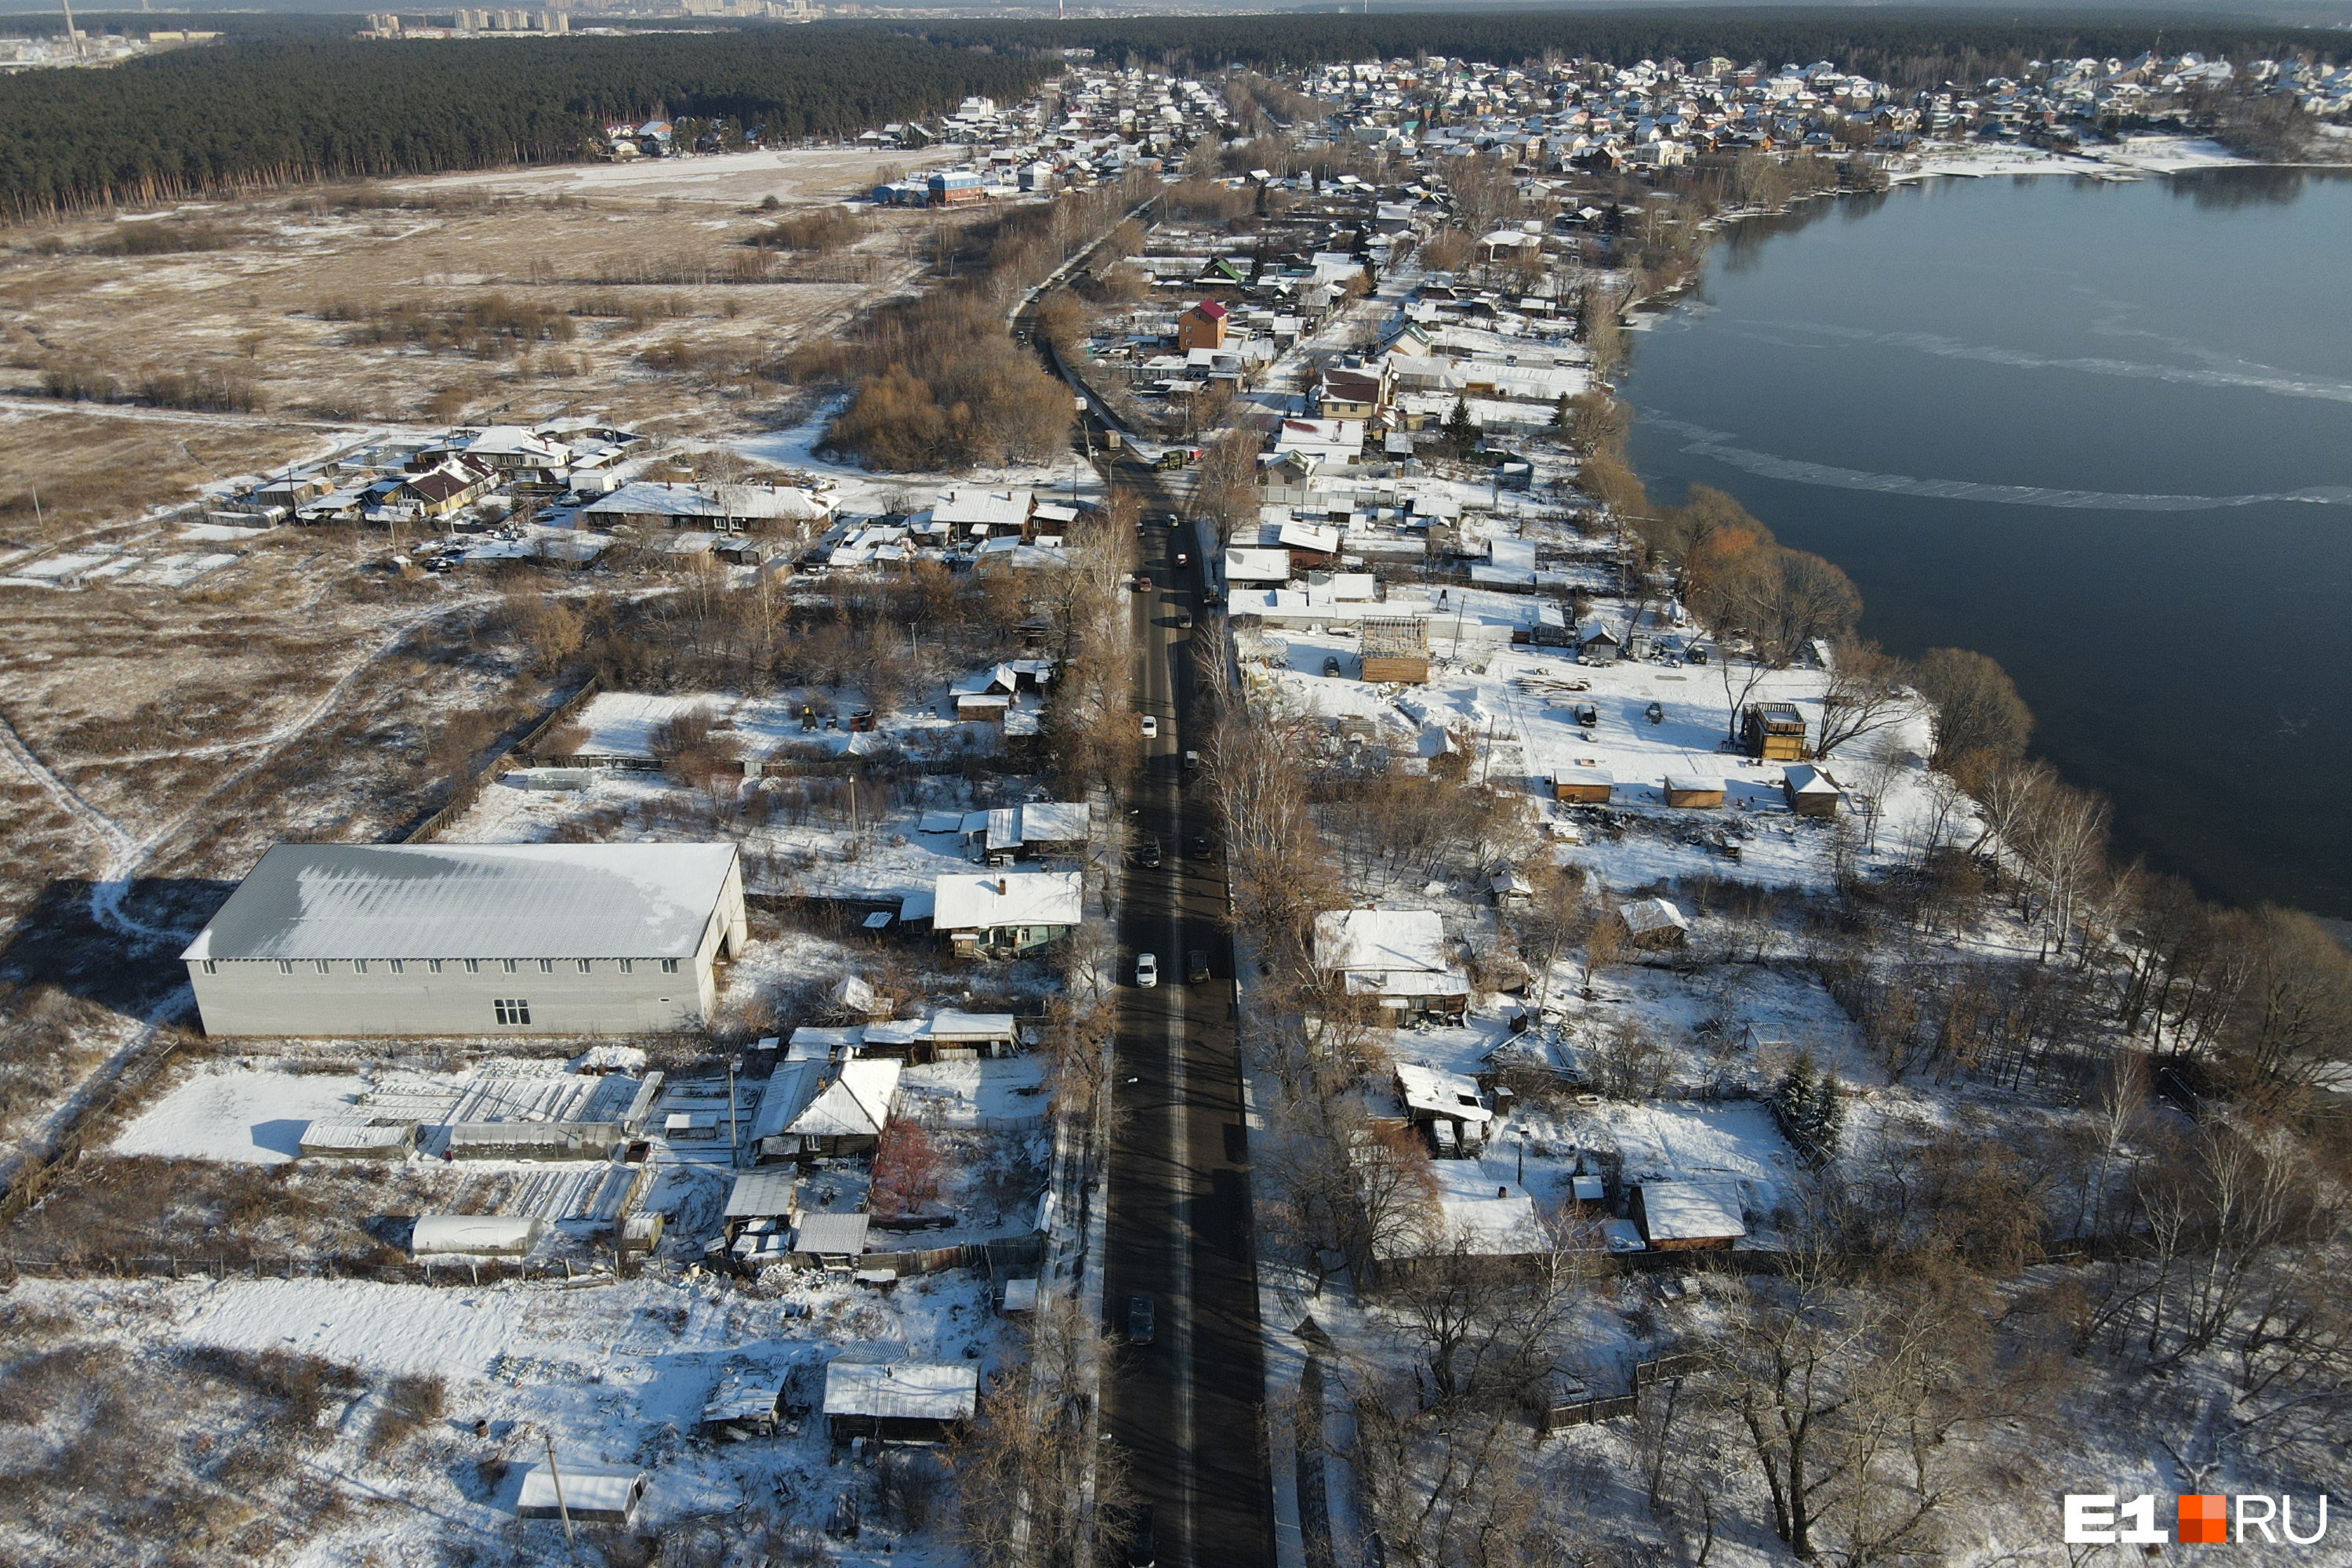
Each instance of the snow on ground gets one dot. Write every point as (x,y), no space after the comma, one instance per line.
(617,1372)
(458,1334)
(862,491)
(1005,1093)
(243,1117)
(1514,703)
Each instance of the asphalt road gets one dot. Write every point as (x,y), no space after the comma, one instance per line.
(1187,1406)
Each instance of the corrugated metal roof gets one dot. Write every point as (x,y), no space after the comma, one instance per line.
(905,1390)
(456,901)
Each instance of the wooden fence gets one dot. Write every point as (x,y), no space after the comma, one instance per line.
(1554,1415)
(468,791)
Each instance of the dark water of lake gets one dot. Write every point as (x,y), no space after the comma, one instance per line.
(2101,432)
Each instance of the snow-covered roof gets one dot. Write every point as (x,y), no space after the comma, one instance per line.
(1054,822)
(1803,778)
(901,1391)
(1645,917)
(351,1134)
(1698,783)
(655,498)
(854,1105)
(585,1488)
(1692,1211)
(950,1026)
(962,902)
(330,901)
(964,505)
(1380,939)
(1432,1093)
(1257,565)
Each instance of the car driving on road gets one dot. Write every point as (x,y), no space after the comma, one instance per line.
(1151,728)
(1147,969)
(1141,1320)
(1196,967)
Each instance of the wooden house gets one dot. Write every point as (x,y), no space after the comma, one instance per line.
(1773,731)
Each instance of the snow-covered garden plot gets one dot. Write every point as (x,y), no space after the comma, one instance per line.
(482,1378)
(255,1116)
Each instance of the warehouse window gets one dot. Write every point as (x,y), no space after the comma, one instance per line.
(433,966)
(547,966)
(669,966)
(473,967)
(628,966)
(359,966)
(514,1011)
(324,966)
(212,966)
(285,966)
(400,966)
(583,966)
(510,964)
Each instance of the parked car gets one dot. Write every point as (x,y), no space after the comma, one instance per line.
(1147,970)
(1146,852)
(1331,665)
(1654,713)
(1196,967)
(1183,620)
(1151,728)
(1201,849)
(1143,583)
(1141,1320)
(1589,715)
(1182,559)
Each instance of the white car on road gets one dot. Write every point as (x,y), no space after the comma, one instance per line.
(1147,970)
(1151,728)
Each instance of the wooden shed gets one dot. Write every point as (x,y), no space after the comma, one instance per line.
(586,1494)
(1809,791)
(1694,792)
(1689,1216)
(1396,648)
(902,1402)
(1589,786)
(1773,731)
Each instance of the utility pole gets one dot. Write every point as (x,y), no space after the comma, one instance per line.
(571,1536)
(734,1148)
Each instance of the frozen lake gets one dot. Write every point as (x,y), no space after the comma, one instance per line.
(2100,431)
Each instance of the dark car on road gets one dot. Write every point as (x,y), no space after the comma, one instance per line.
(1141,1322)
(1196,967)
(1201,849)
(1146,850)
(1142,1550)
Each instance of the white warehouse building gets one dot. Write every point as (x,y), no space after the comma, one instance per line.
(441,939)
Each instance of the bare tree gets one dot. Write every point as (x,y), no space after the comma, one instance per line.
(1866,696)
